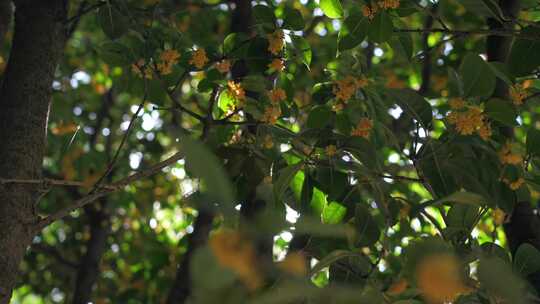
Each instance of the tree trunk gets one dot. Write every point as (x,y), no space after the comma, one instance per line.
(24,102)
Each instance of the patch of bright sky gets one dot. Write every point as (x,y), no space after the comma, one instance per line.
(291,215)
(395,111)
(378,52)
(135,160)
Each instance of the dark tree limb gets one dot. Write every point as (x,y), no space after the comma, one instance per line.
(25,94)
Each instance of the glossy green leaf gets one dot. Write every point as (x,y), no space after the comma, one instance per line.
(331,8)
(478,78)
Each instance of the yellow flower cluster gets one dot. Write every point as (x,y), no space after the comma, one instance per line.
(277,65)
(277,95)
(268,143)
(507,157)
(271,114)
(168,59)
(371,10)
(439,279)
(398,287)
(276,41)
(363,128)
(199,58)
(238,254)
(330,150)
(294,263)
(388,4)
(514,185)
(498,216)
(518,94)
(236,91)
(345,88)
(139,68)
(223,66)
(468,119)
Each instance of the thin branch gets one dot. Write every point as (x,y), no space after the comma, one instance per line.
(54,253)
(510,33)
(83,10)
(47,182)
(111,188)
(432,12)
(134,117)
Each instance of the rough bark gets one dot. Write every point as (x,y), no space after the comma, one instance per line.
(6,12)
(25,99)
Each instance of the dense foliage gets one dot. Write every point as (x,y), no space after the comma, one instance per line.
(317,151)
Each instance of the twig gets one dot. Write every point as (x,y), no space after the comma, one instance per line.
(491,32)
(433,14)
(53,252)
(108,189)
(112,163)
(47,182)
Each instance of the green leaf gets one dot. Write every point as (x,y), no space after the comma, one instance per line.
(455,84)
(462,216)
(333,213)
(206,166)
(264,15)
(486,8)
(524,56)
(284,178)
(235,45)
(353,31)
(501,110)
(478,78)
(498,278)
(293,19)
(499,69)
(333,257)
(302,49)
(414,105)
(381,28)
(527,259)
(115,54)
(331,8)
(113,23)
(402,44)
(462,197)
(319,117)
(533,141)
(367,230)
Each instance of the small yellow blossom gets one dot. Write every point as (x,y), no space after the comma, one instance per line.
(294,263)
(276,65)
(369,11)
(277,95)
(388,4)
(139,68)
(236,91)
(363,128)
(518,94)
(233,251)
(271,114)
(507,157)
(199,58)
(267,180)
(338,106)
(168,59)
(439,279)
(498,216)
(63,129)
(456,103)
(268,143)
(330,150)
(468,119)
(362,82)
(345,88)
(398,287)
(223,66)
(514,185)
(276,41)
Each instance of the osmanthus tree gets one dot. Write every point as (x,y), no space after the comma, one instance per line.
(312,151)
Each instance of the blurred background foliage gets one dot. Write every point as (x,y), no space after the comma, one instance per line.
(373,132)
